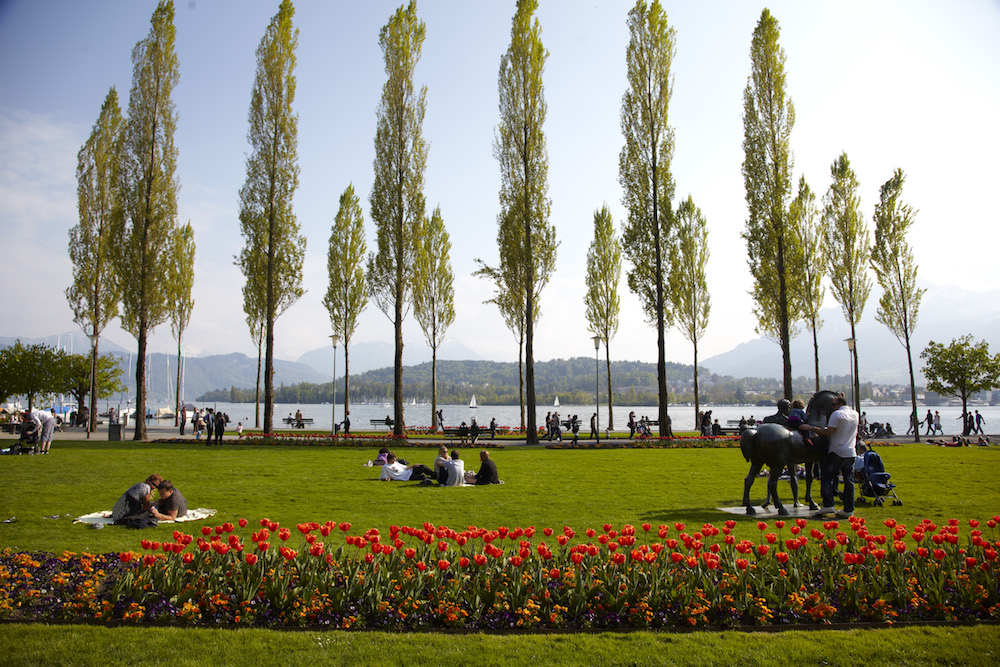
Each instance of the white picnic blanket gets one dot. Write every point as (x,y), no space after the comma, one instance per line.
(104,517)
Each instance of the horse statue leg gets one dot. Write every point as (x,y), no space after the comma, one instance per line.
(794,483)
(809,480)
(748,482)
(772,489)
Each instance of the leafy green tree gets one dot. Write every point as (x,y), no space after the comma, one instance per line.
(519,146)
(768,117)
(347,294)
(273,254)
(397,196)
(848,250)
(960,369)
(34,371)
(811,260)
(604,271)
(74,378)
(181,286)
(689,293)
(896,271)
(433,290)
(95,293)
(644,173)
(148,185)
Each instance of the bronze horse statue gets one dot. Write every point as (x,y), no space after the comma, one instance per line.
(778,448)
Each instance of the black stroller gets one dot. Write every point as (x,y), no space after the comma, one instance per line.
(874,482)
(28,441)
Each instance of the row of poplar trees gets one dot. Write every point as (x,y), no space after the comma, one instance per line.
(131,258)
(793,243)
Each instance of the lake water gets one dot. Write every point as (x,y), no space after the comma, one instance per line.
(509,415)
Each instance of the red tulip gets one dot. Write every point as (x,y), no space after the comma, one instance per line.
(443,565)
(251,559)
(421,565)
(782,557)
(761,526)
(779,524)
(126,556)
(516,561)
(561,539)
(762,550)
(243,523)
(262,546)
(547,532)
(577,558)
(618,559)
(678,527)
(742,563)
(188,558)
(647,527)
(607,527)
(344,527)
(612,547)
(206,530)
(480,559)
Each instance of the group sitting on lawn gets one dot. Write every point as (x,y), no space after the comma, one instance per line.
(447,471)
(136,508)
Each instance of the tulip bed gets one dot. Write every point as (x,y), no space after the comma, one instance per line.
(326,575)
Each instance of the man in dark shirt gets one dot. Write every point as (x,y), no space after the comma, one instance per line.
(487,470)
(172,503)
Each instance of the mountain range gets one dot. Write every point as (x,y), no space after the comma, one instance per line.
(945,313)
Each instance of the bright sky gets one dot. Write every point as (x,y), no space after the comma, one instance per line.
(910,84)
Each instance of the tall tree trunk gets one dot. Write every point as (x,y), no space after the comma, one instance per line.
(784,333)
(177,399)
(92,413)
(607,359)
(260,347)
(520,378)
(913,386)
(140,384)
(696,401)
(434,387)
(347,383)
(857,380)
(815,352)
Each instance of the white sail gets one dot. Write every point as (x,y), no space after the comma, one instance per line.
(556,404)
(472,403)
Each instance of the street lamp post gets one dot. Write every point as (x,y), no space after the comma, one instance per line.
(597,386)
(850,365)
(335,338)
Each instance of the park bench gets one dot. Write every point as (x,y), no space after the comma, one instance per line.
(296,423)
(380,423)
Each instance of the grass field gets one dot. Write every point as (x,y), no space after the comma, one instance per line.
(580,489)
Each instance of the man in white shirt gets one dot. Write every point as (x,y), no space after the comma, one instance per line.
(393,471)
(456,470)
(45,424)
(842,429)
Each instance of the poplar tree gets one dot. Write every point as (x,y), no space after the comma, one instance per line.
(519,147)
(689,294)
(768,117)
(433,290)
(146,221)
(896,271)
(181,286)
(94,294)
(397,196)
(808,242)
(272,257)
(347,294)
(604,270)
(848,249)
(644,174)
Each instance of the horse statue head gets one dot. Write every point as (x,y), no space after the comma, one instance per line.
(820,407)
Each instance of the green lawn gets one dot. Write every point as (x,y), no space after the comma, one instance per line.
(581,489)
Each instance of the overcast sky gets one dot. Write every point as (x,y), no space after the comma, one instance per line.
(906,84)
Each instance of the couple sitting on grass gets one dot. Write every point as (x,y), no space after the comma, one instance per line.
(136,508)
(447,471)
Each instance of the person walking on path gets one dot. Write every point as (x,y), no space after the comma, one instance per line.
(979,423)
(929,420)
(184,416)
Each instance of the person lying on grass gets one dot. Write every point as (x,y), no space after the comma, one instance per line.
(172,503)
(393,471)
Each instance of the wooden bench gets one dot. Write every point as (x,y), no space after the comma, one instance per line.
(297,423)
(379,423)
(11,428)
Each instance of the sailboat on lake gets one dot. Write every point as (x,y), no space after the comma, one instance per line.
(472,403)
(556,404)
